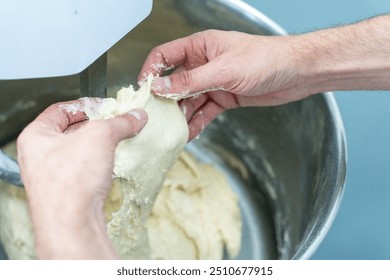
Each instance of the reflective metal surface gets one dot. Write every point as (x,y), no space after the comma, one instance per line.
(9,170)
(93,80)
(294,154)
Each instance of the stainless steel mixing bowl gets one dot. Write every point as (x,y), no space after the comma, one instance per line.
(294,155)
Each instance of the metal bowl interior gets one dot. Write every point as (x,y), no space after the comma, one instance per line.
(294,154)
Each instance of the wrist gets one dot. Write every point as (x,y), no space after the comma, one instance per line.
(69,236)
(58,195)
(68,227)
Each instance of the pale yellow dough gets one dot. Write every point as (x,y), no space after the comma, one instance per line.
(141,163)
(195,215)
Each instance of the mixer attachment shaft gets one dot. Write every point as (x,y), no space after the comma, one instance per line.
(93,80)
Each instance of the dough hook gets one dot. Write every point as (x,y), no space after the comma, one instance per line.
(9,170)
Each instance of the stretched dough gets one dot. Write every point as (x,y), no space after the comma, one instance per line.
(141,163)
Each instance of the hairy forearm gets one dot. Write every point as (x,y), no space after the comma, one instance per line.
(353,57)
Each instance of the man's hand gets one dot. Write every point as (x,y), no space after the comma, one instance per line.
(66,165)
(233,69)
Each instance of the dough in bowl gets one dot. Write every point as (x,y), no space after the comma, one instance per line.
(195,216)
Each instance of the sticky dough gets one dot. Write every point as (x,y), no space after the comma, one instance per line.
(141,163)
(196,213)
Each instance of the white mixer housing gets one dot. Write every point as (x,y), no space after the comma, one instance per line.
(45,38)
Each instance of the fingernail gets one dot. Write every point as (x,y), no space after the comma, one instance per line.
(161,84)
(139,114)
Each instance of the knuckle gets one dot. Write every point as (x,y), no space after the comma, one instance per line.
(21,141)
(106,128)
(25,135)
(157,54)
(185,79)
(99,129)
(131,126)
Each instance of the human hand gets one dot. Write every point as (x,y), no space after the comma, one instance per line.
(66,165)
(232,69)
(235,69)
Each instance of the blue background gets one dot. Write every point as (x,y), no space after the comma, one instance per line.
(361,229)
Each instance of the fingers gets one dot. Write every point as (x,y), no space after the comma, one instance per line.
(190,105)
(205,114)
(206,78)
(165,56)
(59,116)
(200,68)
(127,125)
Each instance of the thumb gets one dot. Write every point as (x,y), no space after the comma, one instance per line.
(185,83)
(127,125)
